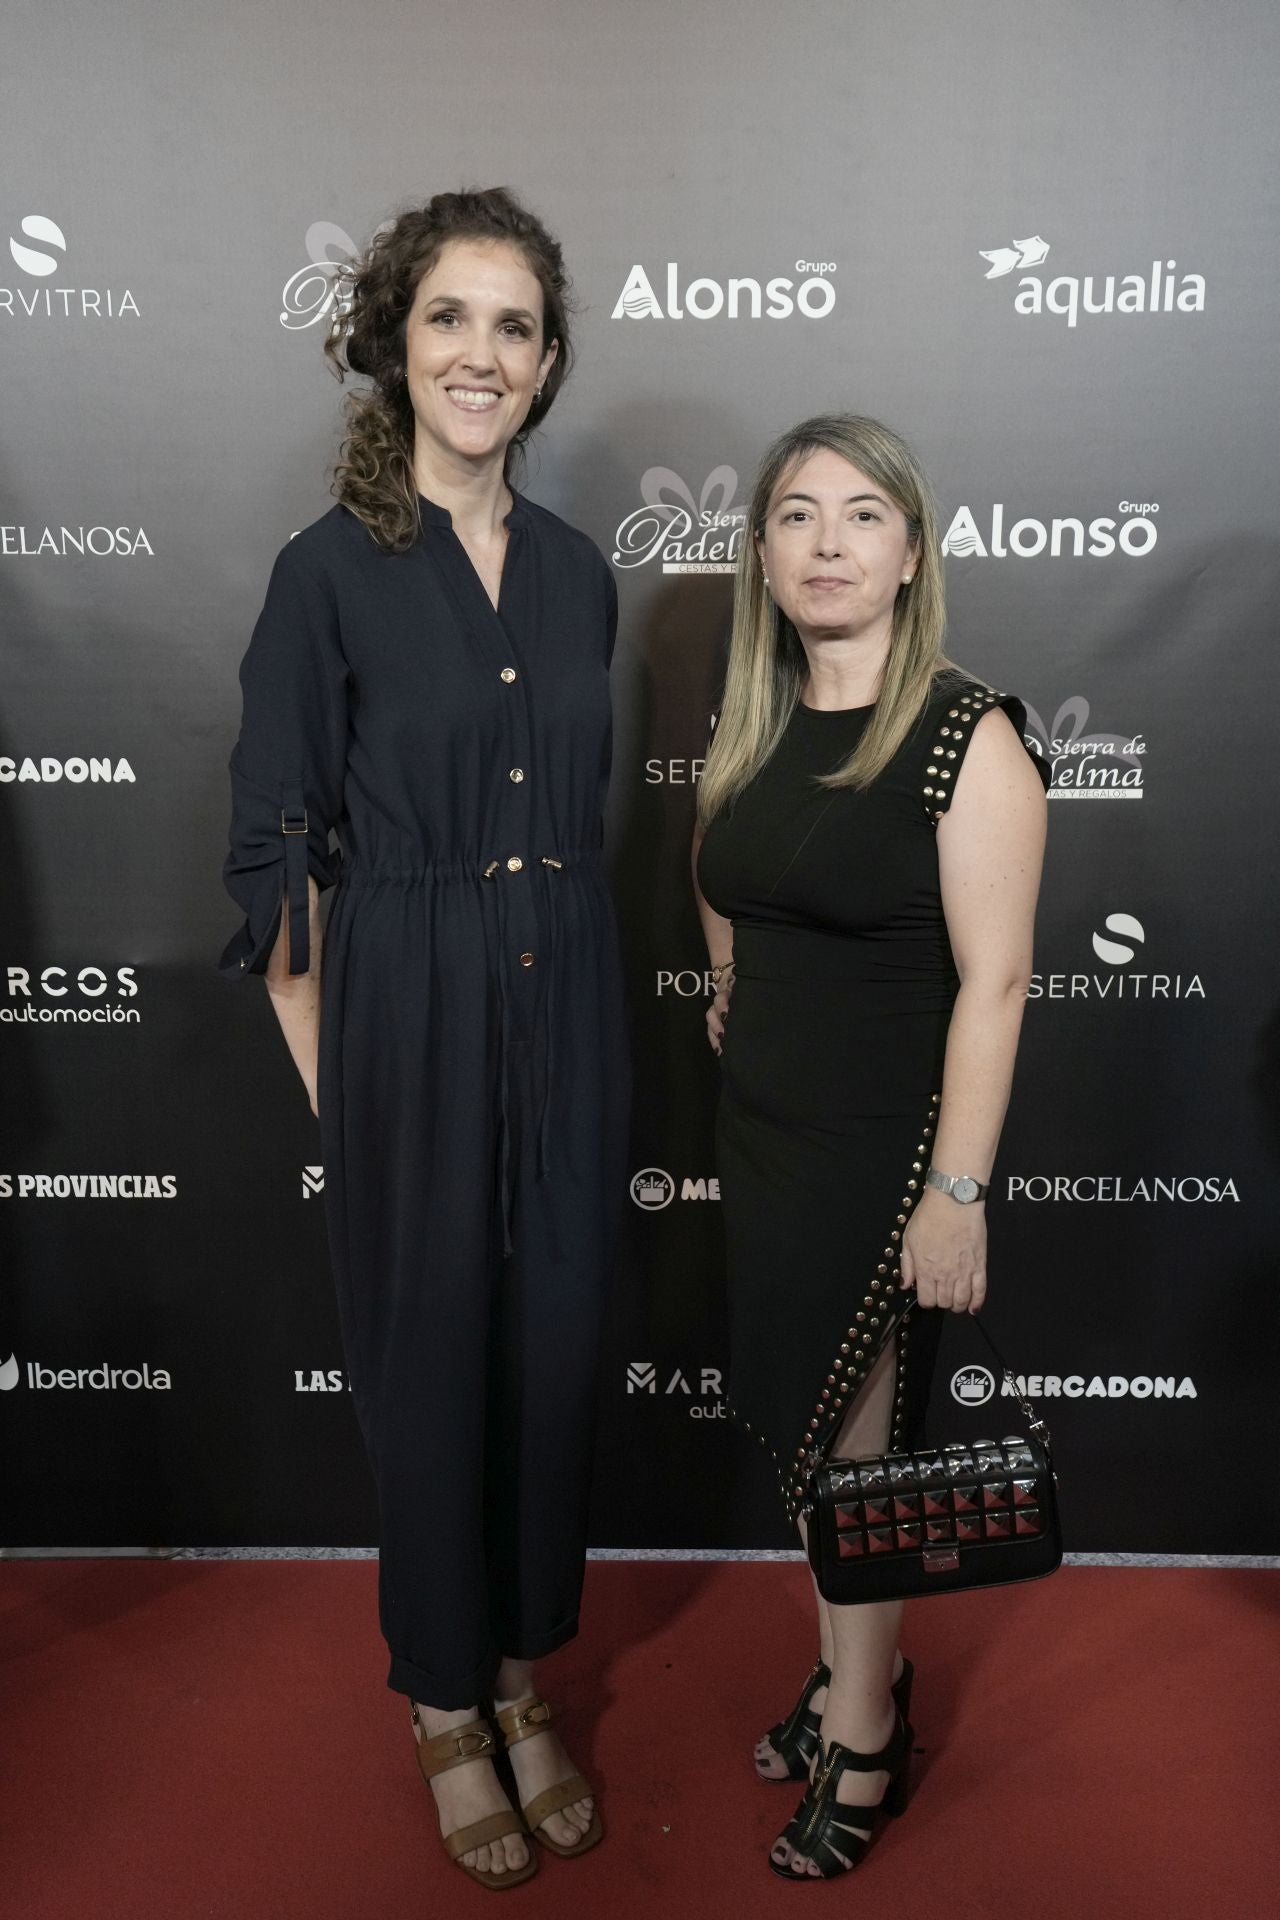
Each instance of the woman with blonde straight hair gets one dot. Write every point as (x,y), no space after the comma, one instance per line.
(867,860)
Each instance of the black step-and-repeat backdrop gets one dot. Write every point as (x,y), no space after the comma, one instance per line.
(1038,240)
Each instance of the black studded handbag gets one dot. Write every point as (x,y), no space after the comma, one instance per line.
(893,1526)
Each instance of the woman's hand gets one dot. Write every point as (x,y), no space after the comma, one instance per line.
(717,1014)
(944,1253)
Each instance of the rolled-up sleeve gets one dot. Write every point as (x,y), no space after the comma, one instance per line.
(288,767)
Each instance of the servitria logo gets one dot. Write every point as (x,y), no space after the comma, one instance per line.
(740,299)
(1120,944)
(682,534)
(1085,764)
(1158,288)
(34,299)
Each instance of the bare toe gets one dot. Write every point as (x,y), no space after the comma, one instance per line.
(516,1851)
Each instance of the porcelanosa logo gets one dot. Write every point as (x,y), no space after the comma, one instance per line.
(1158,288)
(48,772)
(100,1379)
(27,996)
(88,1186)
(1120,1189)
(683,534)
(59,543)
(692,983)
(700,1388)
(33,301)
(1083,763)
(1120,945)
(812,297)
(985,538)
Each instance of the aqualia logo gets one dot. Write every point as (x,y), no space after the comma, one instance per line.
(1068,297)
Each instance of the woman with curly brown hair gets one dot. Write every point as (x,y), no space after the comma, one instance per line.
(429,680)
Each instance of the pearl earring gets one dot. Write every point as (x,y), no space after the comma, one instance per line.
(537,394)
(766,579)
(907,578)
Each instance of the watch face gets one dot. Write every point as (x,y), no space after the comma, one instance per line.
(965,1188)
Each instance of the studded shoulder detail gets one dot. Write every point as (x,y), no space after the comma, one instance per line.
(951,732)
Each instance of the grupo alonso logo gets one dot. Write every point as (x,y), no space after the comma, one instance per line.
(652,1189)
(1157,289)
(744,298)
(682,534)
(1071,536)
(1085,764)
(1118,945)
(972,1386)
(40,263)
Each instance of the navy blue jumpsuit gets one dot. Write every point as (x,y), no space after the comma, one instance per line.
(473,1087)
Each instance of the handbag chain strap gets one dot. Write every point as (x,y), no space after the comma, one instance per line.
(1029,1414)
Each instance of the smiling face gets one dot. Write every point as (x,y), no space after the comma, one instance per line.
(473,350)
(836,550)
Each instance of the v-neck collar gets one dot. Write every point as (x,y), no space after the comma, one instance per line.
(490,627)
(434,515)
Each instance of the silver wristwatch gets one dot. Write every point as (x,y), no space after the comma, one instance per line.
(961,1186)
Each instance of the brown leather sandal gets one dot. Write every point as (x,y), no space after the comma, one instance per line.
(438,1754)
(523,1720)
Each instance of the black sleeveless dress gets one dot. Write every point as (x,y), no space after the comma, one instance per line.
(832,1065)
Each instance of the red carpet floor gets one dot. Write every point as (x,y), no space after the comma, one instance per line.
(212,1741)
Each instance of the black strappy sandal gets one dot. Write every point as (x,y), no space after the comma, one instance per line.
(835,1836)
(795,1739)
